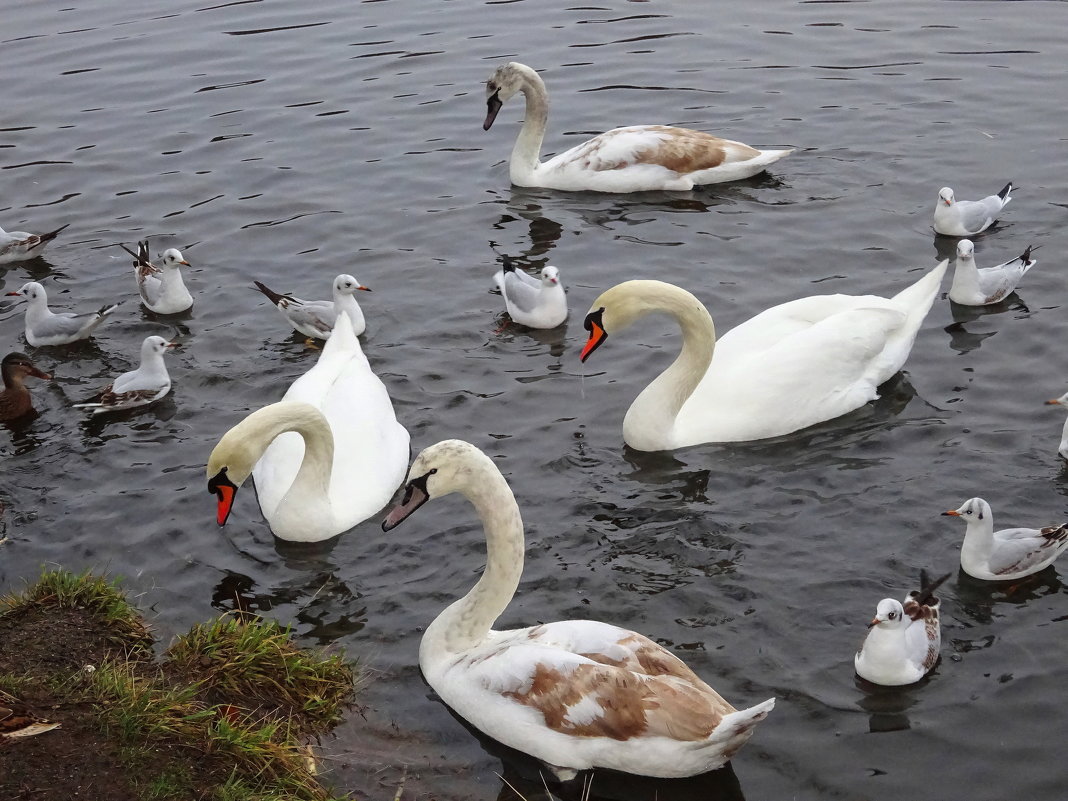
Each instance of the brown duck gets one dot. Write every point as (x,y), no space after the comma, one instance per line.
(15,400)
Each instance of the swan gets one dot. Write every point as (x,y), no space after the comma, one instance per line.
(327,456)
(632,159)
(954,217)
(791,366)
(576,694)
(1012,553)
(162,289)
(904,638)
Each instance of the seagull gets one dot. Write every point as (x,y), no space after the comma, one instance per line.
(161,288)
(1062,449)
(973,286)
(533,302)
(45,327)
(903,638)
(15,400)
(20,246)
(968,217)
(315,318)
(148,383)
(1011,553)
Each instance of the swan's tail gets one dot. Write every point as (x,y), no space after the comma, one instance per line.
(736,728)
(916,300)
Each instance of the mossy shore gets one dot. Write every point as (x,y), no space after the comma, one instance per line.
(225,714)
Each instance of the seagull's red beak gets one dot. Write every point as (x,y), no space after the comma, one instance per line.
(952,513)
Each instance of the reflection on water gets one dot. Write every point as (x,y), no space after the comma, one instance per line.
(887,706)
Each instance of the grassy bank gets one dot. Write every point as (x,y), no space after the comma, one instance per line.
(224,715)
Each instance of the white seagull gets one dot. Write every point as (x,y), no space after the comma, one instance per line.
(903,639)
(973,286)
(1011,553)
(45,327)
(140,387)
(533,302)
(316,318)
(20,245)
(968,217)
(632,159)
(161,288)
(1062,449)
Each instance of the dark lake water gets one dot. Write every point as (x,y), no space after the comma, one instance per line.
(289,142)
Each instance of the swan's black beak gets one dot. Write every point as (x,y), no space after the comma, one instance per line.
(493,105)
(226,491)
(595,325)
(415,495)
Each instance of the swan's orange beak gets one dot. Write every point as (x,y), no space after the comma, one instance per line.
(226,490)
(595,325)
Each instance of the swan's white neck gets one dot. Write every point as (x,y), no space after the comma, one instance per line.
(526,154)
(465,623)
(650,422)
(305,512)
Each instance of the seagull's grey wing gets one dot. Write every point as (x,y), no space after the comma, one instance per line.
(1020,548)
(519,293)
(976,215)
(62,324)
(149,286)
(319,315)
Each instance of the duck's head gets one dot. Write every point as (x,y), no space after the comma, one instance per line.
(965,249)
(505,81)
(550,276)
(973,509)
(32,291)
(347,285)
(17,366)
(889,614)
(945,196)
(172,257)
(440,469)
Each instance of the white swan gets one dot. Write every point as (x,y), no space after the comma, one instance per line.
(1011,553)
(632,159)
(904,638)
(791,366)
(328,456)
(576,694)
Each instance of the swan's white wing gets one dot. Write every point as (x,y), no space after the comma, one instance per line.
(677,150)
(791,367)
(370,447)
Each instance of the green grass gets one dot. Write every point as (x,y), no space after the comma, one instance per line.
(257,664)
(61,589)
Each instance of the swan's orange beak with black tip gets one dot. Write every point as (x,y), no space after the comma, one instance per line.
(226,490)
(595,325)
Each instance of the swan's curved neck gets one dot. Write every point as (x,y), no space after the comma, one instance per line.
(248,440)
(465,623)
(650,421)
(526,154)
